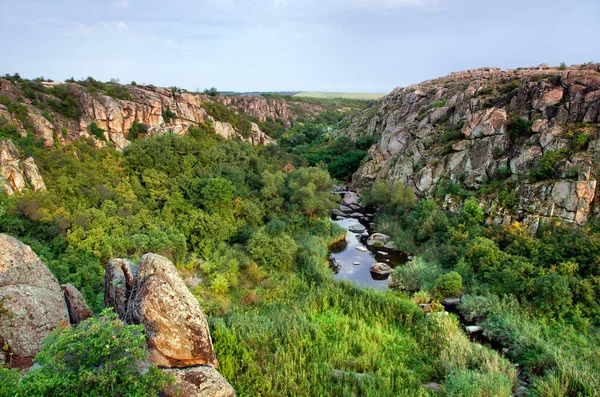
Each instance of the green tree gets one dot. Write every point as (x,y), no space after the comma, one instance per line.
(274,251)
(311,189)
(217,195)
(471,213)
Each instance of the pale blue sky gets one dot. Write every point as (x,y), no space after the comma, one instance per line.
(320,45)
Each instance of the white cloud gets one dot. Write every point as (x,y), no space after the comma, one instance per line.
(277,4)
(394,4)
(116,26)
(121,3)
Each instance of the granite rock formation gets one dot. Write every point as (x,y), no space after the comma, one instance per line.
(536,130)
(16,175)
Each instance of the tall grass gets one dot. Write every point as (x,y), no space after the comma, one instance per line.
(558,359)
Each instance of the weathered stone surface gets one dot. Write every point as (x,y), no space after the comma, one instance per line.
(473,328)
(119,284)
(77,308)
(175,326)
(338,213)
(378,239)
(485,123)
(350,198)
(146,106)
(357,228)
(15,175)
(32,299)
(423,146)
(380,268)
(200,381)
(32,174)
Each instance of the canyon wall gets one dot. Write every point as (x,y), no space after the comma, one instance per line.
(525,141)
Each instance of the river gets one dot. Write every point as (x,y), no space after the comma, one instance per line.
(345,254)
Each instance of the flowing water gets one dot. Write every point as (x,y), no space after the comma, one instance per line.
(344,255)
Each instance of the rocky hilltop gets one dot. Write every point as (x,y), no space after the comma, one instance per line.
(526,141)
(64,112)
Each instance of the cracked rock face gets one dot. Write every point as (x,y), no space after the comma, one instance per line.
(456,128)
(17,176)
(175,326)
(148,105)
(154,295)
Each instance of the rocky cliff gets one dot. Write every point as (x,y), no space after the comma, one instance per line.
(64,111)
(16,176)
(525,141)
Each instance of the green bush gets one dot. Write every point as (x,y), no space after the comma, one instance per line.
(100,357)
(97,131)
(518,126)
(168,116)
(273,251)
(448,285)
(137,129)
(472,213)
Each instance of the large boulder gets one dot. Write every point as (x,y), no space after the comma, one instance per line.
(175,326)
(197,382)
(77,308)
(32,301)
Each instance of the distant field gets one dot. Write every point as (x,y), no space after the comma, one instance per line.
(347,95)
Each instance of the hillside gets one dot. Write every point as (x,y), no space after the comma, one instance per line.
(114,114)
(525,141)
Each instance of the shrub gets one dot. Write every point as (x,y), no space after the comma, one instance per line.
(168,116)
(414,276)
(68,102)
(448,285)
(518,126)
(100,357)
(97,131)
(212,92)
(365,142)
(137,129)
(438,104)
(472,213)
(562,66)
(277,252)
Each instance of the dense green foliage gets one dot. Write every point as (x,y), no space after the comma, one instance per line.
(547,282)
(226,212)
(100,357)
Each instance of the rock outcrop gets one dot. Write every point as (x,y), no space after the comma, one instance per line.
(17,176)
(76,307)
(32,303)
(154,295)
(159,110)
(534,129)
(197,382)
(175,326)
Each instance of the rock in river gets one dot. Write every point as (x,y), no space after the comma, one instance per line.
(378,239)
(381,268)
(357,228)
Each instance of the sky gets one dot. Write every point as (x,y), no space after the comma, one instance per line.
(290,45)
